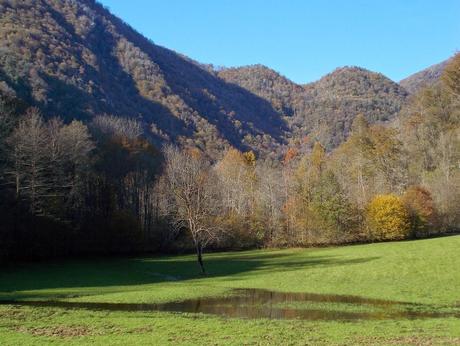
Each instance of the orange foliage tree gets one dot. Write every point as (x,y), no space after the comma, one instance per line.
(420,205)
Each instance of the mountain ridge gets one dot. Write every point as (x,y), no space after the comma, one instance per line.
(323,109)
(424,78)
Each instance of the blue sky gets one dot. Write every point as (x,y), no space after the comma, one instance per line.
(302,39)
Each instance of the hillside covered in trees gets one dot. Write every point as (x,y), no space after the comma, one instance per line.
(424,78)
(112,144)
(323,110)
(76,60)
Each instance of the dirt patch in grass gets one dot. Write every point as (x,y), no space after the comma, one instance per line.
(408,340)
(13,314)
(141,330)
(57,331)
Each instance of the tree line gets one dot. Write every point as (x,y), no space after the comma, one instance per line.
(71,188)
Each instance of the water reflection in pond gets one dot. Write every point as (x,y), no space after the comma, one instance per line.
(256,303)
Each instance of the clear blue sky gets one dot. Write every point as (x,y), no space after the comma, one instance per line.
(302,39)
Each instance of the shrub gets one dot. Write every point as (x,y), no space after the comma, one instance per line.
(387,218)
(240,232)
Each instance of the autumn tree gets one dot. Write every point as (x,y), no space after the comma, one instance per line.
(290,154)
(388,159)
(352,163)
(420,204)
(387,218)
(451,76)
(318,160)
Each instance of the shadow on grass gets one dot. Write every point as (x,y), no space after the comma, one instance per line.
(106,273)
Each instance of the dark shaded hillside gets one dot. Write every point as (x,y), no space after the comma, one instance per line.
(75,59)
(424,78)
(324,109)
(264,82)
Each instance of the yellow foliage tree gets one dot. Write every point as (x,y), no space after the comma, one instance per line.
(250,157)
(318,158)
(387,218)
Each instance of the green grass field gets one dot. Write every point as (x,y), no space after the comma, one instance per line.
(426,272)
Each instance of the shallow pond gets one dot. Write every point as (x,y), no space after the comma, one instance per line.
(257,303)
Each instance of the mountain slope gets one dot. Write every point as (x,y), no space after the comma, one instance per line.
(266,83)
(333,102)
(324,109)
(426,77)
(75,59)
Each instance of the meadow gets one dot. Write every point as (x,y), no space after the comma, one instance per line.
(423,274)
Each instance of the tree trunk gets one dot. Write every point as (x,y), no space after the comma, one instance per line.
(199,255)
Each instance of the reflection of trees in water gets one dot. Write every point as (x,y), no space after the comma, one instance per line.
(256,303)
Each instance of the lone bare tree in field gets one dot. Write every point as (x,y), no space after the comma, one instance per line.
(192,197)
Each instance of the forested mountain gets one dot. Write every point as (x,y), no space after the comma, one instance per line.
(424,78)
(282,93)
(335,100)
(325,109)
(76,60)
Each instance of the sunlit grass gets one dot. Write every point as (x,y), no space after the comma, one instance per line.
(424,272)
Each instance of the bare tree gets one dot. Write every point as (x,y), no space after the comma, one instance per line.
(236,180)
(271,197)
(193,199)
(29,159)
(47,160)
(75,145)
(118,126)
(6,126)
